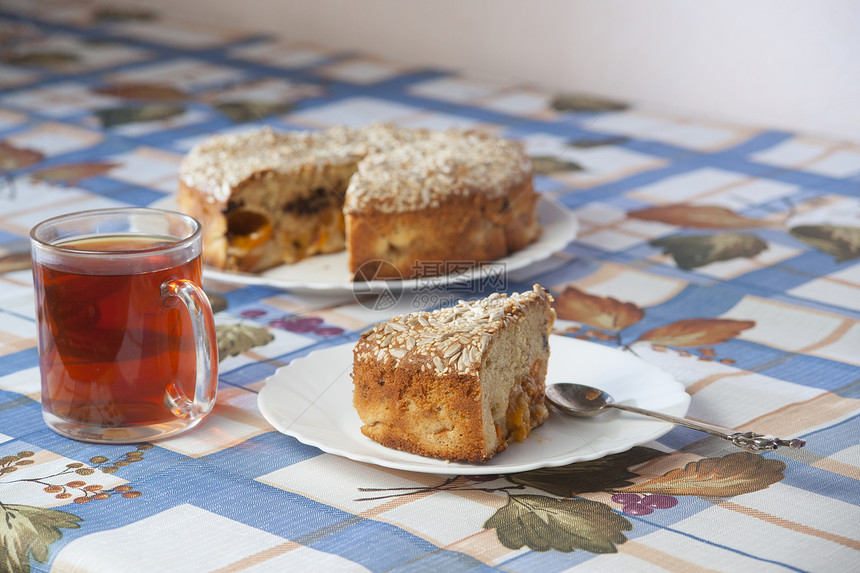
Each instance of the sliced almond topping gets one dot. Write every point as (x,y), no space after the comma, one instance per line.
(453,349)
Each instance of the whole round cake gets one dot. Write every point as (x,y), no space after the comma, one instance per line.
(402,202)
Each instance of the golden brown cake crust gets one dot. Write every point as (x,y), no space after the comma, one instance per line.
(456,383)
(467,231)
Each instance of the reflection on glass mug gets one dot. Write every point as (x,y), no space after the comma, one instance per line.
(127,347)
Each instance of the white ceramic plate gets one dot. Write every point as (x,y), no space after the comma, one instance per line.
(331,272)
(311,400)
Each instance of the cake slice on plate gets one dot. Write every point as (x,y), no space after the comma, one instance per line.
(458,383)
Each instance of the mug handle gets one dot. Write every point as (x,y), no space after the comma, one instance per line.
(206,345)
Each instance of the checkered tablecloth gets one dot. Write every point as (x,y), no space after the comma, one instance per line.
(728,255)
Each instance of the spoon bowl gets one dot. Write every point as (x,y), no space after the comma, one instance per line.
(578,399)
(585,402)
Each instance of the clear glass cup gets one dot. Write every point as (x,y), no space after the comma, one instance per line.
(127,347)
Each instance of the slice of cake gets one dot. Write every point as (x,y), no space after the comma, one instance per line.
(456,383)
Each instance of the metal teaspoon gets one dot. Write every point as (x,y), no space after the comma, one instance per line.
(585,402)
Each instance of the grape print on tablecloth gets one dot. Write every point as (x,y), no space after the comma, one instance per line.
(297,324)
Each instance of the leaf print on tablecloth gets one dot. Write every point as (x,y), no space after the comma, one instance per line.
(15,262)
(546,164)
(696,216)
(693,251)
(113,14)
(243,111)
(73,173)
(111,117)
(142,91)
(582,102)
(608,472)
(12,157)
(727,476)
(542,523)
(592,143)
(234,339)
(598,311)
(693,332)
(45,59)
(218,302)
(26,530)
(840,241)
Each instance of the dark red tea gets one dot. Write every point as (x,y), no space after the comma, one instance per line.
(110,344)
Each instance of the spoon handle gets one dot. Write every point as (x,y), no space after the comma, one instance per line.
(746,440)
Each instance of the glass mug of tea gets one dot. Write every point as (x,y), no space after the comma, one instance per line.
(127,348)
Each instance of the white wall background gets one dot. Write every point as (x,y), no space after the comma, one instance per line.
(785,64)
